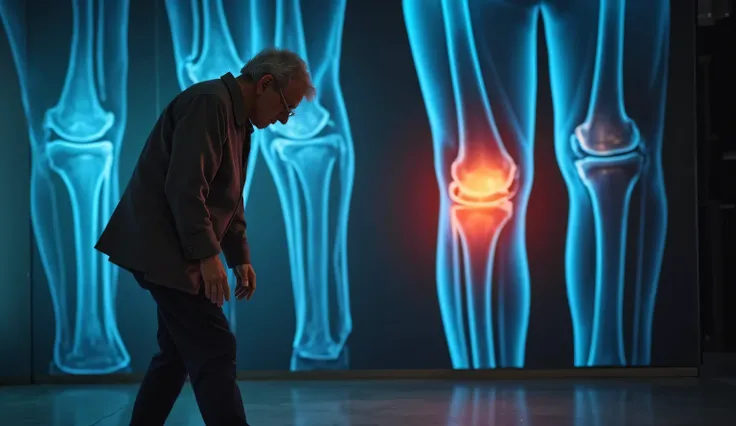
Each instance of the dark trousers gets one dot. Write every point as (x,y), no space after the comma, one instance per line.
(194,339)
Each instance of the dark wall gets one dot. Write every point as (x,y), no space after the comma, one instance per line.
(15,248)
(392,230)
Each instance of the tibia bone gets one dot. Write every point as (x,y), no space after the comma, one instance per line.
(609,182)
(78,116)
(218,54)
(311,117)
(312,162)
(483,166)
(84,168)
(478,229)
(652,234)
(607,129)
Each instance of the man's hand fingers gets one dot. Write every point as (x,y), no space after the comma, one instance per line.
(210,290)
(216,287)
(249,293)
(251,282)
(246,280)
(240,292)
(238,284)
(225,289)
(215,292)
(244,291)
(252,277)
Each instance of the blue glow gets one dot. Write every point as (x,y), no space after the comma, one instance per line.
(478,80)
(302,156)
(78,139)
(205,48)
(604,150)
(609,182)
(484,175)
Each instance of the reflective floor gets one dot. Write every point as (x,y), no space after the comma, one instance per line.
(687,402)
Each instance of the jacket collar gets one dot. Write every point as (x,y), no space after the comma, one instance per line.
(236,95)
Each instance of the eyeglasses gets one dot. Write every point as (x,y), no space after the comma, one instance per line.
(289,110)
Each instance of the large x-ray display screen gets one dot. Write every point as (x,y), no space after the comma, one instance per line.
(478,184)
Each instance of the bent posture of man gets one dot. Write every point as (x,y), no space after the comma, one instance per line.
(182,207)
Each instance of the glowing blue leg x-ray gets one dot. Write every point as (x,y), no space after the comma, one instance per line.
(302,156)
(608,155)
(481,113)
(205,48)
(605,147)
(77,141)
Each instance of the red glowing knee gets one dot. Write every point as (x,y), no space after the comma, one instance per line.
(481,182)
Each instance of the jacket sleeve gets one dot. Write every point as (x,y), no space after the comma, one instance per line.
(235,242)
(196,153)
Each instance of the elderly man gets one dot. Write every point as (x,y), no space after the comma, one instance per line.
(182,207)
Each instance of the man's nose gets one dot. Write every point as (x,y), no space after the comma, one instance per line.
(283,119)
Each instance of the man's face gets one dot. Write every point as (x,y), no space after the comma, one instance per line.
(274,104)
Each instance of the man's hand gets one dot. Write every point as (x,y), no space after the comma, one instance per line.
(246,281)
(216,287)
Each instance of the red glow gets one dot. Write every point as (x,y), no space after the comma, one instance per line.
(480,181)
(483,187)
(479,226)
(483,181)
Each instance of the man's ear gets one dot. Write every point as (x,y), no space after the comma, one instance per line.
(264,83)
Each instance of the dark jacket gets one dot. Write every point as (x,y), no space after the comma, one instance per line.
(184,201)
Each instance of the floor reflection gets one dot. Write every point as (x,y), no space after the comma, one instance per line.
(596,404)
(617,406)
(80,406)
(686,402)
(312,408)
(482,406)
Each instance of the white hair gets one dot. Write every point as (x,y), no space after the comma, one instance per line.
(284,65)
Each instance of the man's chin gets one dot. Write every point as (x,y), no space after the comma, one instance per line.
(260,125)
